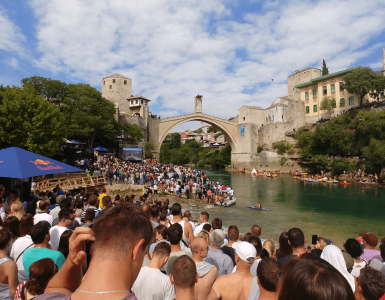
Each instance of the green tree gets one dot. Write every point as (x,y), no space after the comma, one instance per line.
(30,122)
(165,154)
(199,130)
(328,104)
(259,149)
(175,141)
(226,154)
(319,163)
(89,114)
(325,69)
(148,149)
(282,147)
(363,81)
(52,90)
(339,165)
(213,129)
(375,153)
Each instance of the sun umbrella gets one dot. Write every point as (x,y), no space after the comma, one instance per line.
(99,148)
(19,163)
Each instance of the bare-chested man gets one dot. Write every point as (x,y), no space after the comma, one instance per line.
(207,272)
(240,285)
(188,233)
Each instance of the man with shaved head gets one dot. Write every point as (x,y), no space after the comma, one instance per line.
(146,210)
(207,272)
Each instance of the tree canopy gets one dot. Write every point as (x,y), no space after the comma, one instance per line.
(325,69)
(30,122)
(87,116)
(364,81)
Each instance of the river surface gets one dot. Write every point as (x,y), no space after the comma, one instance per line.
(331,211)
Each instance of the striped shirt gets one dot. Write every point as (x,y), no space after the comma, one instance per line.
(221,261)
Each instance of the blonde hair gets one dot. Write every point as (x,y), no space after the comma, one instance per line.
(17,209)
(269,246)
(204,235)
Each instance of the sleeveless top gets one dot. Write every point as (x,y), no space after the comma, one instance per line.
(254,290)
(181,223)
(5,292)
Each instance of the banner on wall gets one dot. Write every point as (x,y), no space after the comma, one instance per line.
(242,130)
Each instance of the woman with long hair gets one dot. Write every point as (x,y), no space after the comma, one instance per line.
(353,247)
(40,273)
(64,242)
(23,243)
(17,209)
(284,248)
(13,224)
(26,224)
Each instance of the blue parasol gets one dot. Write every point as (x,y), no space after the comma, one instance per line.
(99,148)
(19,163)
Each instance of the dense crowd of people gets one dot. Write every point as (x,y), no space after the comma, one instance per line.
(89,246)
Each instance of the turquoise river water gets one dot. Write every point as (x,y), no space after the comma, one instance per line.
(331,211)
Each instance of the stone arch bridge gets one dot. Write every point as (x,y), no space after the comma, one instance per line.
(164,126)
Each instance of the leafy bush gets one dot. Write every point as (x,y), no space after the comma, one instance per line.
(282,147)
(259,149)
(319,163)
(201,164)
(283,161)
(339,165)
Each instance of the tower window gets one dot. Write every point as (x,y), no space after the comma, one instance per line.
(244,118)
(110,87)
(104,82)
(125,82)
(113,80)
(141,102)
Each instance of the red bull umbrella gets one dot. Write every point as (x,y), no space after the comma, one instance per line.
(99,148)
(19,163)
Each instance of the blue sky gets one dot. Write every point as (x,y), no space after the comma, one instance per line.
(228,51)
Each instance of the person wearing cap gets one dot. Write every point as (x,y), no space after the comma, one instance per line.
(215,255)
(241,284)
(370,242)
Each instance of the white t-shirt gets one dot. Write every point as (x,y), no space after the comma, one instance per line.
(18,247)
(55,233)
(152,284)
(42,216)
(199,228)
(357,268)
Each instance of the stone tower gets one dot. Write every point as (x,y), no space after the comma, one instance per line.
(117,88)
(198,103)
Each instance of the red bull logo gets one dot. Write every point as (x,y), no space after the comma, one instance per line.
(41,162)
(45,164)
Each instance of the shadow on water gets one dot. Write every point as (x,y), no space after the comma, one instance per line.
(332,211)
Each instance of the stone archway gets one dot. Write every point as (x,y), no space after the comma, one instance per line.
(228,128)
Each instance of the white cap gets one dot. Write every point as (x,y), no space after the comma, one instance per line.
(245,251)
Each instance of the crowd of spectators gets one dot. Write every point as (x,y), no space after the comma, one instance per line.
(89,246)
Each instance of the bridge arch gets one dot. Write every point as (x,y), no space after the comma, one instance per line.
(228,128)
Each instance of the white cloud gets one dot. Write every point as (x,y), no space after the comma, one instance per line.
(13,63)
(174,49)
(11,38)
